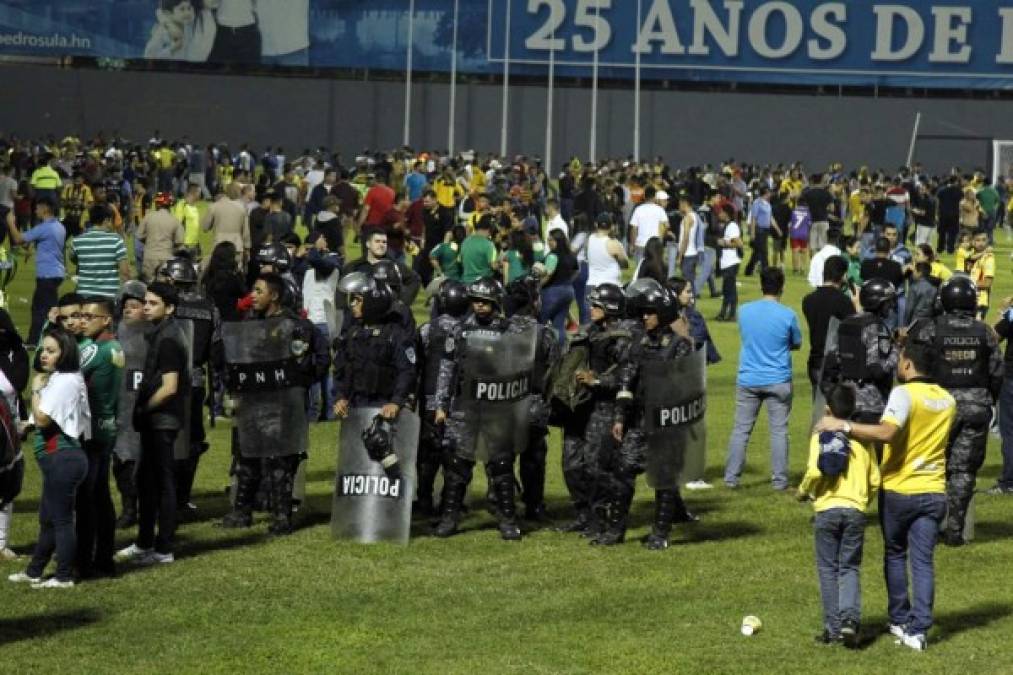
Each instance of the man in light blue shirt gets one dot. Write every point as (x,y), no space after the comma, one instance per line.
(49,237)
(415,182)
(761,218)
(769,333)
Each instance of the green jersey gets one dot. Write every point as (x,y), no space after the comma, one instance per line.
(477,257)
(102,366)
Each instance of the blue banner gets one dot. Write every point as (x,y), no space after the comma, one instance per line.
(958,44)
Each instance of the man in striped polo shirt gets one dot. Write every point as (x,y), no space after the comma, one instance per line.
(101,256)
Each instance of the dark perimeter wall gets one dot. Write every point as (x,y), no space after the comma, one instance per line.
(685,127)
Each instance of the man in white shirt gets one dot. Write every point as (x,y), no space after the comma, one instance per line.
(648,220)
(690,240)
(829,250)
(556,221)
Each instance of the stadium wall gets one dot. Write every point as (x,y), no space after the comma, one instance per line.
(685,127)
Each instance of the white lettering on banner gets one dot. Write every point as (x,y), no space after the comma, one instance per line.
(1006,55)
(678,415)
(886,16)
(833,34)
(357,485)
(589,15)
(499,391)
(542,38)
(659,26)
(794,28)
(706,21)
(951,27)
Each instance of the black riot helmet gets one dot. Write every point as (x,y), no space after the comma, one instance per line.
(522,296)
(275,255)
(610,298)
(378,441)
(377,297)
(388,272)
(959,295)
(452,299)
(662,302)
(488,289)
(877,295)
(181,271)
(635,293)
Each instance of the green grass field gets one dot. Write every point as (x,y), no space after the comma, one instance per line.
(246,602)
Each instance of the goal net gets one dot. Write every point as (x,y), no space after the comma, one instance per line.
(1002,160)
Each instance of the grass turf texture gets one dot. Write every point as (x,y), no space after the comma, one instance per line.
(241,601)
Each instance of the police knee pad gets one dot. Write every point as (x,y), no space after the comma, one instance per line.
(459,467)
(500,467)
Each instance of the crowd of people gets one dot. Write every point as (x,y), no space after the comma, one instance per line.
(530,326)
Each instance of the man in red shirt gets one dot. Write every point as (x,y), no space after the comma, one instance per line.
(378,201)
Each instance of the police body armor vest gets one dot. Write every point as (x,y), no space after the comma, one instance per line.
(963,352)
(851,349)
(201,313)
(373,371)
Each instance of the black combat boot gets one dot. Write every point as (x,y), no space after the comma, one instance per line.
(282,478)
(424,503)
(664,514)
(503,490)
(532,472)
(247,484)
(614,531)
(580,523)
(457,475)
(682,514)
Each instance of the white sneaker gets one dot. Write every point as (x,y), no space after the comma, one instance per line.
(7,554)
(915,642)
(155,558)
(132,552)
(23,578)
(895,629)
(699,485)
(53,582)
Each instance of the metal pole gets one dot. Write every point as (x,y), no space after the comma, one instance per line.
(636,93)
(408,74)
(506,85)
(549,106)
(593,149)
(453,86)
(914,139)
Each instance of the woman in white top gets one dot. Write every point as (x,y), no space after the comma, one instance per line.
(605,255)
(61,417)
(729,260)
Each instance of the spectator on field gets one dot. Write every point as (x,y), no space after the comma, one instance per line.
(49,237)
(921,294)
(223,282)
(162,235)
(101,256)
(652,265)
(769,332)
(830,301)
(228,219)
(61,417)
(557,287)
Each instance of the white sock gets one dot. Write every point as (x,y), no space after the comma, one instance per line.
(6,515)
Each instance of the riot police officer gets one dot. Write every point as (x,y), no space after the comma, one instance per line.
(587,431)
(389,272)
(482,396)
(451,306)
(523,303)
(276,258)
(207,357)
(131,331)
(656,344)
(866,355)
(375,361)
(969,366)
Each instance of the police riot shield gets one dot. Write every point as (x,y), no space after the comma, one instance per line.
(372,504)
(674,396)
(261,376)
(182,448)
(819,400)
(494,392)
(133,339)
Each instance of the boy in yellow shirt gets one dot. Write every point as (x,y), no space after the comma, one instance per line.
(841,478)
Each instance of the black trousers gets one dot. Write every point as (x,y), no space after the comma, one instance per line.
(729,291)
(156,490)
(96,517)
(759,255)
(44,298)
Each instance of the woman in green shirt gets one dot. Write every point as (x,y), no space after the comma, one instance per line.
(852,253)
(61,416)
(518,260)
(446,258)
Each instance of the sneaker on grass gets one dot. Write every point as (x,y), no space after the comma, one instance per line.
(895,629)
(23,578)
(132,552)
(916,642)
(53,582)
(155,558)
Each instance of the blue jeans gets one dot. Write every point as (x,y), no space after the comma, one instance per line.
(672,251)
(323,384)
(747,407)
(580,295)
(705,271)
(688,269)
(1006,431)
(910,526)
(839,535)
(62,473)
(556,302)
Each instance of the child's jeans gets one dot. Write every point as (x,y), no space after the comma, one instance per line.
(839,535)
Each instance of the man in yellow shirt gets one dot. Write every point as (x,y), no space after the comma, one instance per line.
(186,213)
(448,191)
(46,181)
(982,270)
(916,427)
